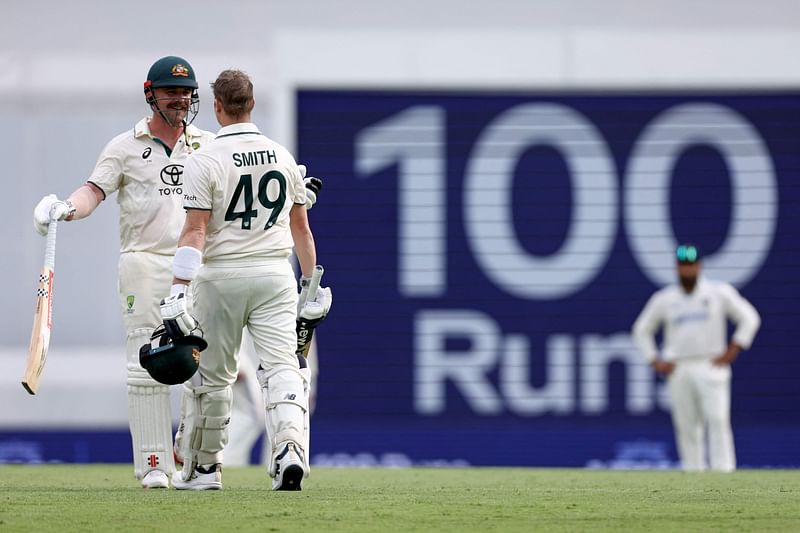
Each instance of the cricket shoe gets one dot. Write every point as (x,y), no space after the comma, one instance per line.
(155,479)
(289,469)
(207,477)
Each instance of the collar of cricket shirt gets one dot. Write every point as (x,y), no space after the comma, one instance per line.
(143,128)
(242,128)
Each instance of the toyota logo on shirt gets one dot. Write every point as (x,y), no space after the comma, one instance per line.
(171,175)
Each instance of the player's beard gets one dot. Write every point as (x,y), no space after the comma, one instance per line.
(688,283)
(175,115)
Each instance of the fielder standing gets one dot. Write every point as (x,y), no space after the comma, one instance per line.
(245,212)
(696,357)
(144,166)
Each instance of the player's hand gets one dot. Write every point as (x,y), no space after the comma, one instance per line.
(315,311)
(664,368)
(50,208)
(176,317)
(728,357)
(313,186)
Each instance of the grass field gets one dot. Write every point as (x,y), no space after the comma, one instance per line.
(106,498)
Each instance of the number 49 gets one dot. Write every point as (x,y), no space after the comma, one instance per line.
(245,188)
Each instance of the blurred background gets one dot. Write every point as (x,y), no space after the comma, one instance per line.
(504,185)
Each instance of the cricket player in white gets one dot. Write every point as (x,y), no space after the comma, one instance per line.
(245,202)
(144,166)
(696,357)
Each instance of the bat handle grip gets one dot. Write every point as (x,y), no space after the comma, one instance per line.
(50,247)
(313,285)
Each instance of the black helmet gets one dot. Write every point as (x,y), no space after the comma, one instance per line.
(171,361)
(171,71)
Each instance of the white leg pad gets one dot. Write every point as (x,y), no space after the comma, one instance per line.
(285,393)
(306,372)
(149,415)
(205,416)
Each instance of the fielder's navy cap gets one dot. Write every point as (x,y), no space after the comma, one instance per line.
(687,254)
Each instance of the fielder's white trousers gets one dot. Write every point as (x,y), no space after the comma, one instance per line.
(701,402)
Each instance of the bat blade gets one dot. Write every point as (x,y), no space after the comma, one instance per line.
(40,336)
(42,316)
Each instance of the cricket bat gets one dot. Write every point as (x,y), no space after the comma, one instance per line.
(43,316)
(305,333)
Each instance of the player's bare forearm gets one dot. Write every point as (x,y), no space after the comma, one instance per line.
(304,246)
(85,200)
(193,235)
(194,229)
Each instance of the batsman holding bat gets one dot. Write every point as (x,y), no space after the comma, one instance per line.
(245,203)
(144,166)
(696,357)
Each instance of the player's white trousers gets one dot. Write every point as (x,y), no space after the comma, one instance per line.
(701,402)
(145,278)
(262,296)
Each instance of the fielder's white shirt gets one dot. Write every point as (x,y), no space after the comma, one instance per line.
(695,324)
(148,178)
(249,183)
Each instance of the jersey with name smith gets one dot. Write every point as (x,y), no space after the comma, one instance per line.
(249,183)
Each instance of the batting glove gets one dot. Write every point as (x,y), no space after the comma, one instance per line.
(313,186)
(50,208)
(316,310)
(175,314)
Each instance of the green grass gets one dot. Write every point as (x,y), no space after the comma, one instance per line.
(106,498)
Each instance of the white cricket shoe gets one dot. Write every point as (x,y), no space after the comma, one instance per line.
(155,479)
(207,477)
(289,469)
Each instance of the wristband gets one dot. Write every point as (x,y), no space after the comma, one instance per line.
(186,263)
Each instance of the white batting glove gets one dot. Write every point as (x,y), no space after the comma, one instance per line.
(175,314)
(314,311)
(50,208)
(313,186)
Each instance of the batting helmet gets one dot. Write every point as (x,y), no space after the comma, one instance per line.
(171,361)
(171,71)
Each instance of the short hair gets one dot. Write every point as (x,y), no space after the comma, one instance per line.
(234,90)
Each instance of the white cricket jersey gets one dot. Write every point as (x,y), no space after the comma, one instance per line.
(695,324)
(249,183)
(148,178)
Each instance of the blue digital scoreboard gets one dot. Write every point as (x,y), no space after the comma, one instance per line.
(488,253)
